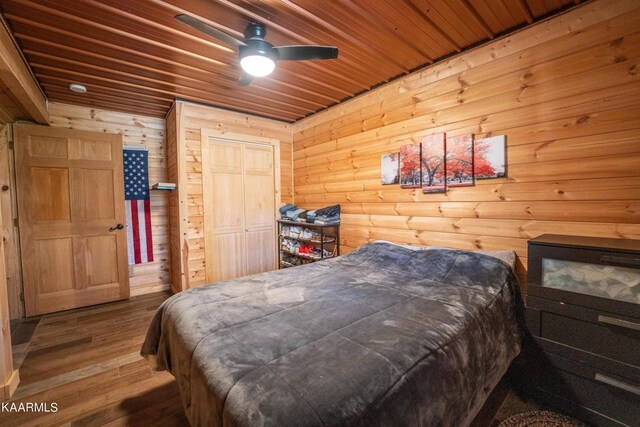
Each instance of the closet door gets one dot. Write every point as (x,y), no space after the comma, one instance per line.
(239,208)
(225,247)
(259,208)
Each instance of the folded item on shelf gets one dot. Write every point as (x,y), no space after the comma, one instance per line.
(324,220)
(293,214)
(311,216)
(332,210)
(286,208)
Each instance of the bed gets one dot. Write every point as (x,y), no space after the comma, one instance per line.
(385,335)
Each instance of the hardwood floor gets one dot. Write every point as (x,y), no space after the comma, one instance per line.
(87,361)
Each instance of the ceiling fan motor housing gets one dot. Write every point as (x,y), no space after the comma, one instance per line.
(255,29)
(255,44)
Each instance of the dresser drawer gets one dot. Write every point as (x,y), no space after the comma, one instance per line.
(597,397)
(603,274)
(603,339)
(605,334)
(599,363)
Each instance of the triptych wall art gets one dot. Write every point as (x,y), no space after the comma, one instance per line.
(438,162)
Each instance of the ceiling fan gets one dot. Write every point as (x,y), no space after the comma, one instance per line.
(257,56)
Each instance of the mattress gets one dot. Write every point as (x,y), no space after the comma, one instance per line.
(385,335)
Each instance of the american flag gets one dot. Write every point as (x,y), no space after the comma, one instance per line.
(137,205)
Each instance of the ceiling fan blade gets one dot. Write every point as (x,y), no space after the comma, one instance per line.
(245,79)
(209,30)
(297,53)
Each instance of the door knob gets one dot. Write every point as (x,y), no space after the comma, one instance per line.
(117,227)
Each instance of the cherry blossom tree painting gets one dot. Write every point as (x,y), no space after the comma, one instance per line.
(489,157)
(433,163)
(460,161)
(389,169)
(410,166)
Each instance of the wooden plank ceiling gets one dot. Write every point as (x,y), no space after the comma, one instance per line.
(134,56)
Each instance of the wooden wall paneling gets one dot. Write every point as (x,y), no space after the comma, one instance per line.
(9,377)
(564,91)
(178,214)
(393,123)
(192,120)
(11,240)
(136,130)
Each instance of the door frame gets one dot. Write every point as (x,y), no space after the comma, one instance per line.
(206,136)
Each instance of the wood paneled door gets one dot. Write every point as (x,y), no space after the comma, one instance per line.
(240,179)
(70,201)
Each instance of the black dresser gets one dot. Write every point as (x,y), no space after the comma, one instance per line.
(583,320)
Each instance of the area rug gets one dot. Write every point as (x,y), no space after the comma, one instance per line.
(540,419)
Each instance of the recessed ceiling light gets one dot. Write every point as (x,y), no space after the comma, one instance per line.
(75,87)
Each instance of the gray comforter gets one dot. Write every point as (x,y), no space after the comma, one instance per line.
(385,335)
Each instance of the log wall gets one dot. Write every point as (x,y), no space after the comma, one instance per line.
(185,167)
(566,93)
(137,131)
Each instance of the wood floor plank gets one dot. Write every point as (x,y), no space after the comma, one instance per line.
(149,408)
(88,362)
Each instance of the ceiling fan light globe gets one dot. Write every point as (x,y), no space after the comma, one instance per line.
(258,65)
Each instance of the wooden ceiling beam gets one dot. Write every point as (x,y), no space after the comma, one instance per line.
(18,80)
(5,115)
(12,109)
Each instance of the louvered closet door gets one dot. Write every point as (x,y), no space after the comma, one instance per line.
(70,200)
(239,209)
